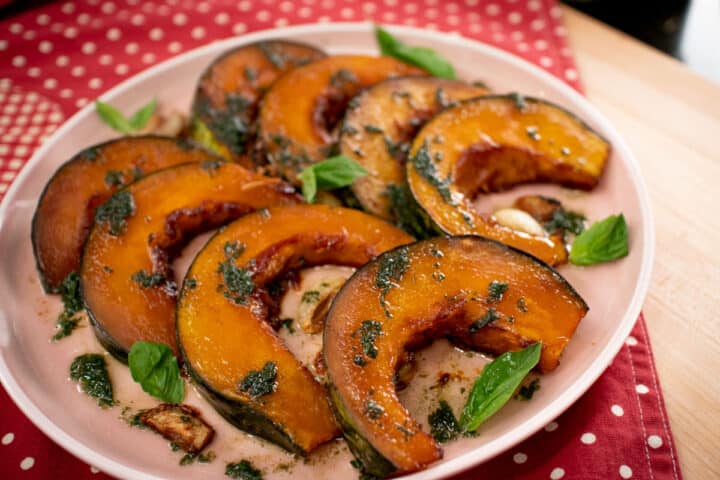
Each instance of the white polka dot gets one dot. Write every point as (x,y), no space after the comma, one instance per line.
(556,12)
(263,15)
(137,19)
(368,7)
(630,340)
(244,6)
(222,18)
(81,102)
(655,441)
(15,164)
(83,18)
(203,7)
(520,458)
(175,47)
(546,62)
(156,34)
(537,24)
(148,57)
(107,8)
(492,9)
(66,93)
(43,19)
(588,438)
(27,463)
(410,8)
(8,438)
(88,48)
(571,74)
(62,61)
(551,427)
(3,187)
(29,35)
(534,5)
(641,389)
(50,83)
(38,118)
(114,34)
(541,45)
(304,12)
(286,6)
(77,71)
(132,48)
(18,61)
(15,28)
(347,12)
(560,31)
(68,8)
(557,473)
(179,19)
(94,470)
(55,117)
(70,32)
(281,22)
(514,18)
(45,46)
(95,83)
(625,471)
(121,69)
(617,410)
(3,44)
(522,47)
(197,33)
(105,59)
(389,16)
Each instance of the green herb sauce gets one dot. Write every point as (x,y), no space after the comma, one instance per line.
(373,410)
(243,470)
(369,330)
(496,290)
(443,424)
(147,280)
(310,296)
(425,166)
(67,321)
(526,392)
(391,269)
(115,211)
(258,383)
(90,370)
(490,316)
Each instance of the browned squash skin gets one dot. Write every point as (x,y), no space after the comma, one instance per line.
(493,143)
(425,305)
(299,113)
(378,132)
(169,207)
(222,341)
(231,88)
(67,206)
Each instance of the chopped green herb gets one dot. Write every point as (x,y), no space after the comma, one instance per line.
(520,102)
(188,459)
(369,330)
(211,165)
(260,382)
(146,280)
(310,296)
(288,323)
(90,154)
(496,290)
(604,241)
(359,360)
(154,367)
(90,370)
(423,57)
(342,77)
(565,220)
(114,178)
(439,276)
(243,470)
(233,249)
(273,57)
(521,305)
(191,283)
(117,121)
(441,98)
(408,214)
(250,74)
(490,316)
(264,213)
(424,165)
(526,392)
(443,424)
(238,281)
(398,150)
(115,211)
(373,129)
(348,129)
(392,266)
(72,304)
(373,410)
(334,172)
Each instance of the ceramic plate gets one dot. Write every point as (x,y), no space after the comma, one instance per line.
(34,371)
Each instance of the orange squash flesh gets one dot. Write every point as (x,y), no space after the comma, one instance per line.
(299,113)
(386,118)
(168,208)
(443,291)
(232,86)
(67,205)
(223,340)
(493,143)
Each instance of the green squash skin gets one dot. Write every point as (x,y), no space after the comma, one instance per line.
(372,461)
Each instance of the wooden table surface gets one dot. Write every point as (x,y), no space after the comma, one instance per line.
(671,119)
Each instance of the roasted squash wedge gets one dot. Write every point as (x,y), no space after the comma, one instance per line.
(228,345)
(493,143)
(377,133)
(477,291)
(126,280)
(226,100)
(300,112)
(67,205)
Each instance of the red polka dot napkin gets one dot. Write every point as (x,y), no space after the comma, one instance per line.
(57,58)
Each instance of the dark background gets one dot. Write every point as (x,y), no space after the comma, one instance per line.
(689,30)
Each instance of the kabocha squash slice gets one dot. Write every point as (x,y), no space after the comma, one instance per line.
(67,205)
(493,143)
(476,291)
(226,99)
(225,338)
(126,280)
(377,133)
(300,112)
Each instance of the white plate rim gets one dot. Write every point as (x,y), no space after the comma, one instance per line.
(447,468)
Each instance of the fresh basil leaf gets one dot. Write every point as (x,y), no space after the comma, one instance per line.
(335,172)
(154,367)
(140,118)
(112,117)
(425,58)
(495,386)
(604,241)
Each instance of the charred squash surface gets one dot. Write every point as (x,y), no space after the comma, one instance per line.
(300,112)
(228,345)
(125,276)
(476,291)
(67,205)
(226,100)
(378,132)
(491,144)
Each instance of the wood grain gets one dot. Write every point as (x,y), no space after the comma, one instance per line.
(671,119)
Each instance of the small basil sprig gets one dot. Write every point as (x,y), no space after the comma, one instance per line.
(495,386)
(117,121)
(335,172)
(423,57)
(605,241)
(154,367)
